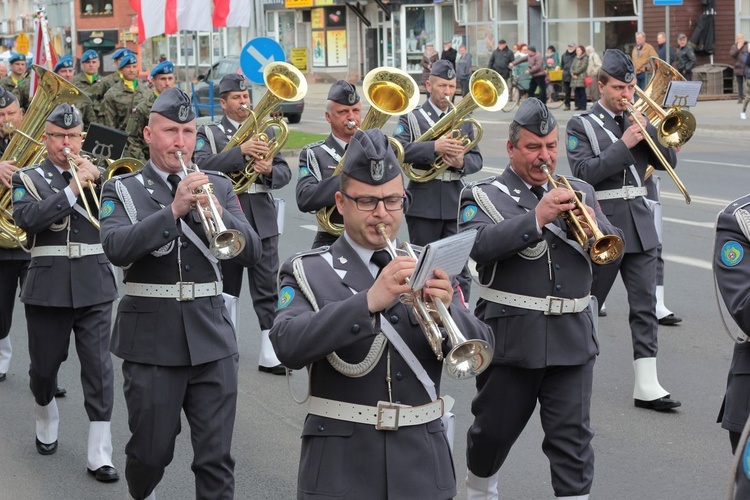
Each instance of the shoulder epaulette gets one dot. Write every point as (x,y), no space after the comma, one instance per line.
(125,176)
(480,182)
(314,144)
(308,253)
(29,167)
(741,202)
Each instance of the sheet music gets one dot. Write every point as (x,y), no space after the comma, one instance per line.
(449,254)
(682,94)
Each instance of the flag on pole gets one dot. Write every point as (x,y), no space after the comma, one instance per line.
(167,17)
(44,54)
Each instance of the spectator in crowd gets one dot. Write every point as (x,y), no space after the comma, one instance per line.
(566,61)
(640,56)
(662,47)
(463,69)
(685,58)
(3,70)
(449,53)
(500,59)
(738,52)
(430,56)
(578,72)
(595,63)
(536,73)
(553,58)
(520,67)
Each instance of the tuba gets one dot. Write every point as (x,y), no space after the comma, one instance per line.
(487,90)
(390,92)
(26,147)
(675,126)
(285,83)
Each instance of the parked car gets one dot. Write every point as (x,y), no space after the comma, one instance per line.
(231,64)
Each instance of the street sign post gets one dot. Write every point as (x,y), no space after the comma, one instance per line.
(256,54)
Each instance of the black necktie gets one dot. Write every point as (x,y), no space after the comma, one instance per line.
(380,258)
(174,180)
(67,176)
(621,122)
(538,191)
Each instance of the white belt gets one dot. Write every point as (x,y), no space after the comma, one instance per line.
(626,193)
(72,250)
(551,306)
(385,417)
(447,176)
(258,188)
(182,290)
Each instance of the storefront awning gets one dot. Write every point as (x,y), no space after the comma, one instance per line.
(102,40)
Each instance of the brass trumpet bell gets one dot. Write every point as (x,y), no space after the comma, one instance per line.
(122,166)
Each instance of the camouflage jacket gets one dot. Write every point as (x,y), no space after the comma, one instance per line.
(21,90)
(119,104)
(137,147)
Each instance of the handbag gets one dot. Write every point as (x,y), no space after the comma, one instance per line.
(588,81)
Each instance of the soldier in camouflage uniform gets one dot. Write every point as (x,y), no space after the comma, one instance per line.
(64,69)
(86,80)
(104,83)
(119,103)
(18,80)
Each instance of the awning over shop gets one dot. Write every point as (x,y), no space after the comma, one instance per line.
(102,40)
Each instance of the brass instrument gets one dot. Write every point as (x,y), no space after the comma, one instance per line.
(90,184)
(674,126)
(122,166)
(467,358)
(487,90)
(605,248)
(390,92)
(26,147)
(224,243)
(285,83)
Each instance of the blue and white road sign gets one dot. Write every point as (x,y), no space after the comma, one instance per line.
(256,54)
(667,3)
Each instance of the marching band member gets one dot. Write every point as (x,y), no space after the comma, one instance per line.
(257,204)
(317,185)
(70,286)
(536,299)
(732,274)
(432,213)
(609,152)
(175,337)
(333,304)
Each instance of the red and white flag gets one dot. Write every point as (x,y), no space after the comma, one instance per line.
(167,17)
(41,38)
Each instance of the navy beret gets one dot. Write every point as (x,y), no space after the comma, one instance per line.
(65,61)
(15,56)
(89,55)
(120,52)
(128,58)
(163,68)
(534,116)
(233,82)
(65,116)
(175,105)
(344,93)
(6,98)
(370,159)
(619,66)
(443,68)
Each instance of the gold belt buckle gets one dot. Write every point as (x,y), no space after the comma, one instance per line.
(387,416)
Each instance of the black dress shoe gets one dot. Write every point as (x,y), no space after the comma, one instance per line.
(105,474)
(661,404)
(60,392)
(273,370)
(602,313)
(2,377)
(670,320)
(45,449)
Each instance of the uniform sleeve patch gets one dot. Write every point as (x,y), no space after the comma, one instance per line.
(399,129)
(18,194)
(572,143)
(107,208)
(286,296)
(304,172)
(731,253)
(199,145)
(746,460)
(468,213)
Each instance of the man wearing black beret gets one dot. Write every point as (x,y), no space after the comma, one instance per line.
(70,285)
(173,332)
(257,202)
(337,306)
(432,214)
(607,149)
(316,185)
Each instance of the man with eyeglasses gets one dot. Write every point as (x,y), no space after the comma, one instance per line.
(18,80)
(333,304)
(70,286)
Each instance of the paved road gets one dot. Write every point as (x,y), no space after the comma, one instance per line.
(639,454)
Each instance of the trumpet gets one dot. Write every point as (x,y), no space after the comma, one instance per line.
(467,358)
(224,243)
(90,184)
(606,248)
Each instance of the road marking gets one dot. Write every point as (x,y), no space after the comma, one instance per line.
(696,199)
(704,162)
(709,225)
(310,227)
(688,261)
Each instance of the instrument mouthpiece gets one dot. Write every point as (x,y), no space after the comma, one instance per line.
(350,124)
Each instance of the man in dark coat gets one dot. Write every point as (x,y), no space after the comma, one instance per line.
(501,58)
(449,53)
(566,61)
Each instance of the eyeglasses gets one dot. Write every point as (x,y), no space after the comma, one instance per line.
(370,203)
(58,135)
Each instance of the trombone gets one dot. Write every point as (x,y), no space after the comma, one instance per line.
(606,248)
(224,243)
(90,184)
(467,358)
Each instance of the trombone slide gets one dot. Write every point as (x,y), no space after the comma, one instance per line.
(90,184)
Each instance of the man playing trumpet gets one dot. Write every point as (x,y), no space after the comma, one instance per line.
(535,296)
(257,203)
(70,286)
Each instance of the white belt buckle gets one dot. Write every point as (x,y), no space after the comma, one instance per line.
(628,193)
(186,291)
(387,419)
(555,306)
(74,250)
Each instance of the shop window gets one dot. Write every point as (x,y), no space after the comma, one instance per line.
(510,10)
(561,34)
(97,7)
(329,34)
(560,9)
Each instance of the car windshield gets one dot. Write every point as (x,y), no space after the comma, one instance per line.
(224,68)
